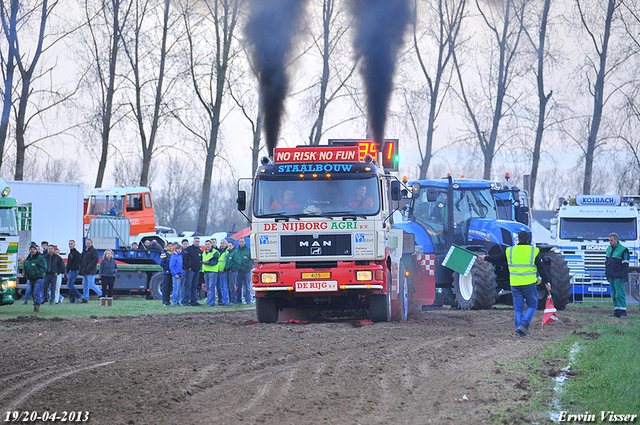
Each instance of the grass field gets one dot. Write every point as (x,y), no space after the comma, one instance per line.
(122,306)
(603,373)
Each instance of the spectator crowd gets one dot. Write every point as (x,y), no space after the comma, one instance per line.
(225,271)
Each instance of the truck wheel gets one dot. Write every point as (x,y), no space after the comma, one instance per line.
(477,290)
(560,281)
(400,307)
(266,310)
(155,284)
(380,307)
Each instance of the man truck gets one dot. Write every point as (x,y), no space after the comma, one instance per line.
(322,235)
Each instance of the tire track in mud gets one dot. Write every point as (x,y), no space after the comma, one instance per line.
(211,368)
(26,394)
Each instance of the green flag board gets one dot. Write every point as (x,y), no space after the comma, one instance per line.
(459,260)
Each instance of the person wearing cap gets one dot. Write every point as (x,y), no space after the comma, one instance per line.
(616,265)
(35,267)
(524,266)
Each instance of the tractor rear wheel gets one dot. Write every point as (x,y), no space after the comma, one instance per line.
(267,310)
(560,281)
(477,290)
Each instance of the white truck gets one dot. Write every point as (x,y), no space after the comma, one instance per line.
(56,211)
(581,230)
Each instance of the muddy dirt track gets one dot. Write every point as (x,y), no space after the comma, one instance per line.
(443,366)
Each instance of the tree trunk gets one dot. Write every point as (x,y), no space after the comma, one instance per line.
(255,150)
(147,150)
(598,100)
(11,35)
(27,76)
(543,100)
(108,106)
(20,128)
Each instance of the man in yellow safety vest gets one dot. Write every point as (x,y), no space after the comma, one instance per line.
(524,266)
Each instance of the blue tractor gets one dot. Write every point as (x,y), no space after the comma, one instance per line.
(484,217)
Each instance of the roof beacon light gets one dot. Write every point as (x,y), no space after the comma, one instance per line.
(265,160)
(6,192)
(507,176)
(368,159)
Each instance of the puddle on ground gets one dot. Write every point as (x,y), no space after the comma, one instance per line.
(558,388)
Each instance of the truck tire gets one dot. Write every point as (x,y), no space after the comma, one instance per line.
(380,307)
(267,310)
(400,307)
(155,285)
(477,290)
(560,281)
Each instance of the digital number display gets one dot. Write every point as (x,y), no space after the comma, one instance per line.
(389,150)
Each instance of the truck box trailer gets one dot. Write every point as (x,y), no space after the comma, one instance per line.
(56,211)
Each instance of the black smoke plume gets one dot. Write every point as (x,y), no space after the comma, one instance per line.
(380,26)
(270,30)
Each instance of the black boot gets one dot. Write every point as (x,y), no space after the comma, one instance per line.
(616,313)
(523,329)
(623,314)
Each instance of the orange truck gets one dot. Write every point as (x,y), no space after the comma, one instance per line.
(131,202)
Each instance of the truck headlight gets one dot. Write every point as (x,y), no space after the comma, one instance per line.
(269,277)
(12,283)
(4,286)
(364,275)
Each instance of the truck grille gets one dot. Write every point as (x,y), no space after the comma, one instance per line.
(316,245)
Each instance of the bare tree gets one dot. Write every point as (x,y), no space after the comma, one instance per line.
(136,57)
(250,108)
(175,201)
(9,30)
(209,79)
(60,170)
(449,15)
(113,14)
(503,19)
(26,76)
(334,77)
(543,96)
(601,46)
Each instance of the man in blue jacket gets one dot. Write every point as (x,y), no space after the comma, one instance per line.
(177,272)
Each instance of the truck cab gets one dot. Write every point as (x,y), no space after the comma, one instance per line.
(132,203)
(581,229)
(9,239)
(320,233)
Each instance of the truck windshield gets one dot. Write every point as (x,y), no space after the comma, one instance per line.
(105,204)
(336,197)
(8,225)
(598,228)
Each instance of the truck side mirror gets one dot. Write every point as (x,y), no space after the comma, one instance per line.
(242,200)
(432,194)
(396,194)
